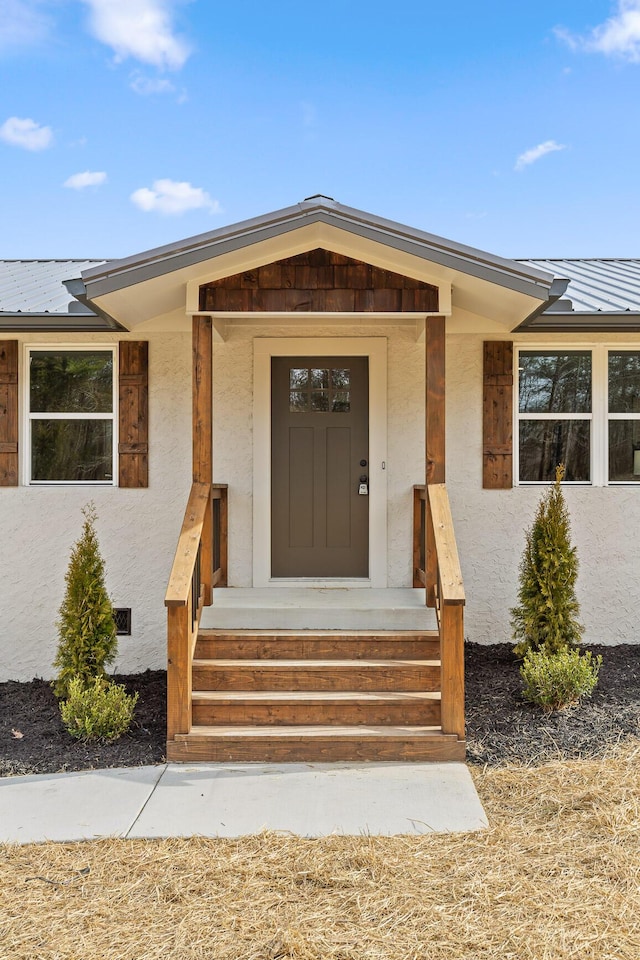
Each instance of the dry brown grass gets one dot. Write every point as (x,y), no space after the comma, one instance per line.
(556,876)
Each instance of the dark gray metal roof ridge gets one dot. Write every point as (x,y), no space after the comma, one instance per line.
(113,275)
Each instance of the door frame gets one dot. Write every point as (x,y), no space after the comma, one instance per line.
(375,348)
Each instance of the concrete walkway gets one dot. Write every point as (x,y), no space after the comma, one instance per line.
(232,800)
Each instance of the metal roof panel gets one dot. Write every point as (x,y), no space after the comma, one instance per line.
(35,286)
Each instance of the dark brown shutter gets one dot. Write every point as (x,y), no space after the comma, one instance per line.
(133,437)
(8,413)
(497,427)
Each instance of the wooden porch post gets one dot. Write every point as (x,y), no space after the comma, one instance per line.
(202,386)
(435,437)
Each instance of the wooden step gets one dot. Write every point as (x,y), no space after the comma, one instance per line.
(314,744)
(315,707)
(418,675)
(317,645)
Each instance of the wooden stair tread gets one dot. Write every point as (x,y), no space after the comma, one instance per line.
(219,634)
(310,664)
(302,696)
(331,732)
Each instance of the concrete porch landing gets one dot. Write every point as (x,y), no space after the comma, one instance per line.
(317,608)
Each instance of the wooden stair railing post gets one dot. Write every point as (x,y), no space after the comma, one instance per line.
(202,434)
(179,670)
(224,536)
(206,555)
(434,429)
(418,536)
(452,668)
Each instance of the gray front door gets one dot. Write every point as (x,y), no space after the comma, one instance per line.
(319,453)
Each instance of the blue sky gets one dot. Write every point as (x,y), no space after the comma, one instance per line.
(513,127)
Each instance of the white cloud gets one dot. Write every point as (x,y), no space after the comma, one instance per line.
(535,153)
(23,132)
(142,29)
(146,86)
(78,181)
(22,23)
(619,36)
(173,197)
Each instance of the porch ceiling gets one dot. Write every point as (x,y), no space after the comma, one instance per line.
(165,282)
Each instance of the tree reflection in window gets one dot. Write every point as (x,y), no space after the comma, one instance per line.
(319,390)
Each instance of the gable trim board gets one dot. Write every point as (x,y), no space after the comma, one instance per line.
(133,413)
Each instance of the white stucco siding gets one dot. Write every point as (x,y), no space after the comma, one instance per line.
(233,455)
(490,524)
(137,530)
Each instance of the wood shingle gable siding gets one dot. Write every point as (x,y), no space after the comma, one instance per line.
(8,413)
(133,414)
(497,415)
(319,281)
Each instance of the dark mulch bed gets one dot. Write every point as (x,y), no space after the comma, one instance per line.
(45,746)
(501,727)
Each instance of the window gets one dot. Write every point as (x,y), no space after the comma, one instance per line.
(555,414)
(580,407)
(314,390)
(623,415)
(70,404)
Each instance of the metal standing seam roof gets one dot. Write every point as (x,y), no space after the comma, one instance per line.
(598,285)
(35,286)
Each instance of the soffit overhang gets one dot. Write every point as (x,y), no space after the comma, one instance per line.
(137,289)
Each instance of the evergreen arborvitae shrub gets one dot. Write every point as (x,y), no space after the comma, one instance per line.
(86,627)
(97,711)
(558,680)
(546,617)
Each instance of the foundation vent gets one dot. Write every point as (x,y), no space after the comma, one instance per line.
(122,617)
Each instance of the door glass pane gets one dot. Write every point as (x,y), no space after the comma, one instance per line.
(624,382)
(72,381)
(71,449)
(341,402)
(552,382)
(298,401)
(320,378)
(624,450)
(546,443)
(298,377)
(320,400)
(340,378)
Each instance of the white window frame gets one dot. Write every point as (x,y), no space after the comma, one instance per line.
(599,416)
(29,417)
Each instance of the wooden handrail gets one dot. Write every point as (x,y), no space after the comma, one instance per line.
(184,561)
(450,574)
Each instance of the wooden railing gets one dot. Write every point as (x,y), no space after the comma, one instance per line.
(437,568)
(199,565)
